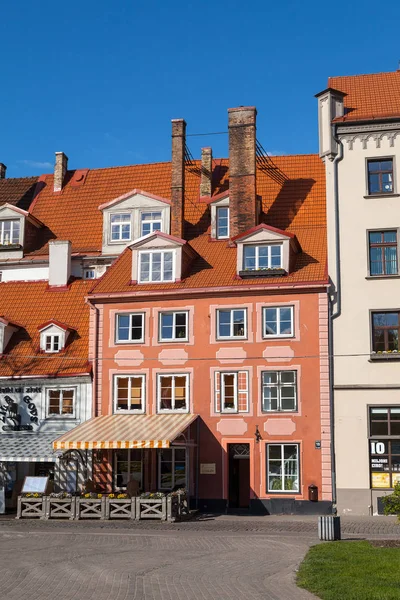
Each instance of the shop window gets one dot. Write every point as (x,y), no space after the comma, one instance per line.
(278,321)
(173,327)
(384,429)
(61,403)
(52,343)
(231,392)
(283,468)
(156,266)
(120,227)
(150,222)
(383,253)
(222,222)
(130,327)
(279,393)
(9,232)
(380,176)
(172,468)
(173,393)
(385,331)
(128,466)
(231,323)
(129,393)
(263,257)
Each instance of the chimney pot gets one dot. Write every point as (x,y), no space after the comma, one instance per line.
(60,169)
(59,263)
(206,172)
(242,169)
(178,177)
(3,170)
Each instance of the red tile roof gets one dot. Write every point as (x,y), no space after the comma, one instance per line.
(31,304)
(369,97)
(293,200)
(18,192)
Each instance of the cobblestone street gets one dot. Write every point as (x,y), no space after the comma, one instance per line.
(225,558)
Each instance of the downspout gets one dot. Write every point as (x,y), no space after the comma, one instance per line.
(94,308)
(334,314)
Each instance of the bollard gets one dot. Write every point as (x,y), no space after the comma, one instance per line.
(329,528)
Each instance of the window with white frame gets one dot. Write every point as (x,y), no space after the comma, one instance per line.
(120,227)
(129,393)
(89,273)
(283,468)
(128,467)
(9,232)
(263,257)
(222,225)
(150,222)
(156,266)
(278,321)
(231,391)
(173,393)
(52,342)
(172,468)
(130,327)
(279,393)
(173,327)
(231,323)
(61,403)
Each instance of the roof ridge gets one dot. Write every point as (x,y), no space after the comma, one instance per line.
(364,74)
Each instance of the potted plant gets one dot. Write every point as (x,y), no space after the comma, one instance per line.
(120,505)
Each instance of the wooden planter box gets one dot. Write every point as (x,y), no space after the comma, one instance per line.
(90,508)
(120,508)
(60,508)
(31,508)
(151,508)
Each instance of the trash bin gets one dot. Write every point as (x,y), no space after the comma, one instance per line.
(329,528)
(313,493)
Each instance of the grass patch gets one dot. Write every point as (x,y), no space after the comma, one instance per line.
(351,571)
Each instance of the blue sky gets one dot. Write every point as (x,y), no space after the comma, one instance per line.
(102,80)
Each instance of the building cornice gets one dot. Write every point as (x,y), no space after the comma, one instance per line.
(366,132)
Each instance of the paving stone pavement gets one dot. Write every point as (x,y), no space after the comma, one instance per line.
(224,557)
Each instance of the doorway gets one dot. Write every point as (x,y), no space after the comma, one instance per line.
(239,475)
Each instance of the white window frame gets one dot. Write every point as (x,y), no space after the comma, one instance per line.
(222,375)
(12,221)
(187,391)
(52,337)
(129,376)
(120,239)
(173,338)
(88,270)
(129,460)
(151,254)
(151,221)
(218,209)
(278,335)
(231,324)
(173,468)
(130,340)
(60,415)
(279,385)
(282,491)
(257,256)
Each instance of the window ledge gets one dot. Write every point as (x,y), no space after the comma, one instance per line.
(385,356)
(261,273)
(383,195)
(396,276)
(5,247)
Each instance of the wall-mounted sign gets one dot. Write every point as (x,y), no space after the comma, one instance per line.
(208,468)
(380,480)
(318,444)
(18,412)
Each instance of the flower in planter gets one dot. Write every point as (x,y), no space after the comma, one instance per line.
(32,495)
(60,495)
(152,495)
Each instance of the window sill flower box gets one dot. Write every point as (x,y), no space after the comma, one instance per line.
(31,505)
(250,273)
(386,355)
(60,506)
(91,506)
(120,506)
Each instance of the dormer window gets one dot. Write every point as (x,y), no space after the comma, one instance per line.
(150,222)
(222,228)
(52,343)
(156,266)
(9,232)
(120,227)
(266,256)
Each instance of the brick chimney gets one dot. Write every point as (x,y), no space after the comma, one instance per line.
(60,169)
(59,263)
(178,177)
(3,170)
(206,172)
(242,169)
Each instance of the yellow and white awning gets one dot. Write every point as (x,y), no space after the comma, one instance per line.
(125,431)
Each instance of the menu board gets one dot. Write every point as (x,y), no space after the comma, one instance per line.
(35,484)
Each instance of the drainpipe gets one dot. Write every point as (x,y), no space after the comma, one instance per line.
(334,314)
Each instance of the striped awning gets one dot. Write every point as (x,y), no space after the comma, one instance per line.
(125,431)
(27,447)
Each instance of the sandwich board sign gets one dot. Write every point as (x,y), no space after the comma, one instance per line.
(35,485)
